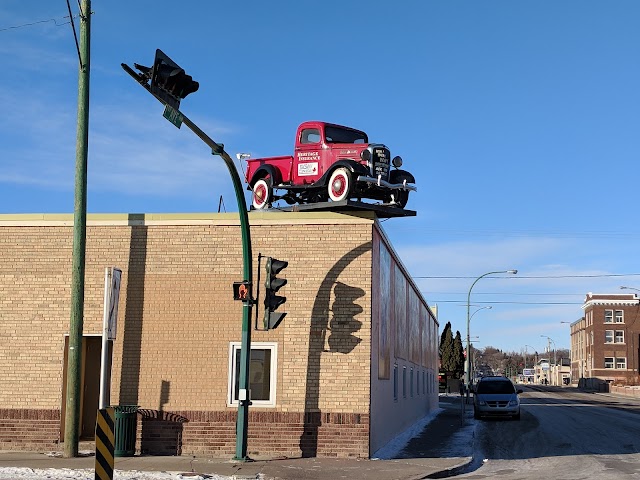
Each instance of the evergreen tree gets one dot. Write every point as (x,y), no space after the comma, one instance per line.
(458,355)
(447,356)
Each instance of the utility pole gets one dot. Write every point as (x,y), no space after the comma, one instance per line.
(74,364)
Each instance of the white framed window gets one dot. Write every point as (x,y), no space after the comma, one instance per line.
(262,373)
(619,316)
(608,362)
(608,316)
(608,336)
(621,362)
(619,336)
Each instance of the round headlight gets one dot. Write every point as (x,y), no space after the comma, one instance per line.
(397,161)
(365,155)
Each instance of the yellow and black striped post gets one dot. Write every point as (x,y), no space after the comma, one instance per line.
(105,440)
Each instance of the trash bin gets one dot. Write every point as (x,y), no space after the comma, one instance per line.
(125,430)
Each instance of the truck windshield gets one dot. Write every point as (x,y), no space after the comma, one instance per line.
(344,135)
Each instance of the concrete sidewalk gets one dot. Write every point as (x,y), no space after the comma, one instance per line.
(444,444)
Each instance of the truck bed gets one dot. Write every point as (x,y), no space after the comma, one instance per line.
(283,164)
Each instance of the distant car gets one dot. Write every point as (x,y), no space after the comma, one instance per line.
(496,397)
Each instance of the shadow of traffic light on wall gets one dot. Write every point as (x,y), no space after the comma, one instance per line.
(343,324)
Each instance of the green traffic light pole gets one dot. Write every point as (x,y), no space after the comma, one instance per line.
(242,424)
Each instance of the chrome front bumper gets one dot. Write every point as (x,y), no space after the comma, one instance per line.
(383,183)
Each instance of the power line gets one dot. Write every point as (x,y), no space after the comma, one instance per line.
(509,293)
(609,275)
(432,302)
(54,20)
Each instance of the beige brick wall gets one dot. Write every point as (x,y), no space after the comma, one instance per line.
(176,314)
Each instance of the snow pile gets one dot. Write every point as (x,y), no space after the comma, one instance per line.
(395,446)
(15,473)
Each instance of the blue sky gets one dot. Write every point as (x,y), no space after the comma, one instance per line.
(519,120)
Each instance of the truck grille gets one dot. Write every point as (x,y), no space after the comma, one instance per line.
(381,161)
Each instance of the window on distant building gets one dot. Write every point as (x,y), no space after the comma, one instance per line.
(262,373)
(411,382)
(608,336)
(404,382)
(619,316)
(608,362)
(621,362)
(608,316)
(395,382)
(619,336)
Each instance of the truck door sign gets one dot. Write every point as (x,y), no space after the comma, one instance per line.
(307,169)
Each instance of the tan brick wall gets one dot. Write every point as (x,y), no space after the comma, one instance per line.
(176,315)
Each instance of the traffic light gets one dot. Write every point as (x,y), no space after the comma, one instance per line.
(272,301)
(169,82)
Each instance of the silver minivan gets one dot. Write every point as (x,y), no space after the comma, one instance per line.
(497,397)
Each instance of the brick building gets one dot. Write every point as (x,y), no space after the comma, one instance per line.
(353,364)
(605,342)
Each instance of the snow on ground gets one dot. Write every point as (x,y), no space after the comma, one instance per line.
(395,446)
(13,473)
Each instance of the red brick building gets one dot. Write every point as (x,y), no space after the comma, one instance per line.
(605,343)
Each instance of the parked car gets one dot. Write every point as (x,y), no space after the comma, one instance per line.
(497,397)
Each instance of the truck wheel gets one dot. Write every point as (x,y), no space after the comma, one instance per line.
(262,193)
(340,184)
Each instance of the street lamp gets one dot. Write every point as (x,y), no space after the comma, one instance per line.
(525,354)
(549,339)
(467,363)
(629,288)
(483,308)
(471,364)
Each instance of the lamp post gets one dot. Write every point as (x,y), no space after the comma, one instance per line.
(555,363)
(525,354)
(549,339)
(472,363)
(467,363)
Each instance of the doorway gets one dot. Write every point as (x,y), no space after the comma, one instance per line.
(89,384)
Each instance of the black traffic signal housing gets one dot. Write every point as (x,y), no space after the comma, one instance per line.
(169,82)
(272,301)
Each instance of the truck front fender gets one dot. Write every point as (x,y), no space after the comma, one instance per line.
(399,176)
(354,167)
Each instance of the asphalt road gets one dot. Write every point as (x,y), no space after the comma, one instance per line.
(562,434)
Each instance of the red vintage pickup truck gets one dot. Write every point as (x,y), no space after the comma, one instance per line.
(330,162)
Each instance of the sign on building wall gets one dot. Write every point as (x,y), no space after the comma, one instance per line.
(112,297)
(384,353)
(400,309)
